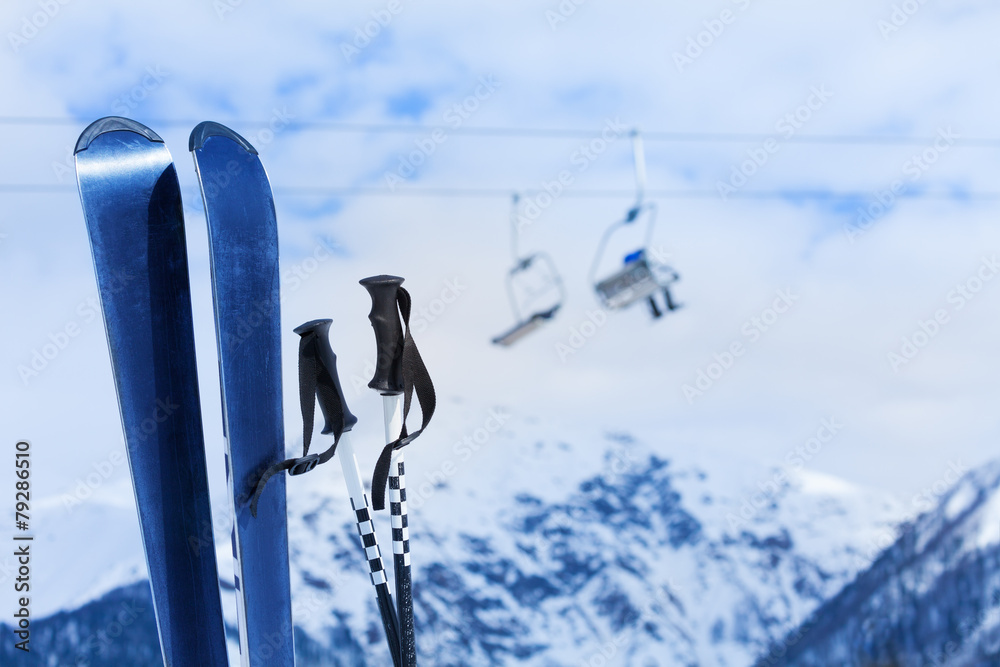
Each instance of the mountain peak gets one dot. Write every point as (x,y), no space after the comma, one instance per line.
(932,597)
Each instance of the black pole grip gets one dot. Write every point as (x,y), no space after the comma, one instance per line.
(328,362)
(384,317)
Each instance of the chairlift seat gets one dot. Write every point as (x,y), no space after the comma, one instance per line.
(540,266)
(636,281)
(522,329)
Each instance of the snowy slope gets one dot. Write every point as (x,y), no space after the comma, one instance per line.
(932,598)
(554,547)
(605,547)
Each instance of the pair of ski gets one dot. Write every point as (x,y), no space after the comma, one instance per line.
(132,205)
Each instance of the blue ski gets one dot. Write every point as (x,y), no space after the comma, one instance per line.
(132,205)
(243,239)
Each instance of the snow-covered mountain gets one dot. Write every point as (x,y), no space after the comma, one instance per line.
(638,562)
(932,598)
(617,552)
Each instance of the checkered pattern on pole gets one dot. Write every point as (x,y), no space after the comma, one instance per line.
(397,510)
(367,531)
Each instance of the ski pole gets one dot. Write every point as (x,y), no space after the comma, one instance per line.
(399,371)
(317,357)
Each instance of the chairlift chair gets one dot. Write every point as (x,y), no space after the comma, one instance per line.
(522,299)
(643,275)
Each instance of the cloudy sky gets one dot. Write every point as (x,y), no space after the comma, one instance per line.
(899,93)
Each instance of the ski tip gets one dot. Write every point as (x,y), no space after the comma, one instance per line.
(113,124)
(212,129)
(313,325)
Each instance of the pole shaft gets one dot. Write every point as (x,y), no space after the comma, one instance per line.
(366,529)
(392,411)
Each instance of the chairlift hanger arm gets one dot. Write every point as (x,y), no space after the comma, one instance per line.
(639,158)
(523,265)
(651,226)
(515,233)
(594,265)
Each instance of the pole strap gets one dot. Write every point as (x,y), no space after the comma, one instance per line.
(416,380)
(315,382)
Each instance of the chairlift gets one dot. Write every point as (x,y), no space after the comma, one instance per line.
(644,275)
(524,295)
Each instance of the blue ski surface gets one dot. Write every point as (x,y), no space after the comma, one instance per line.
(132,205)
(243,237)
